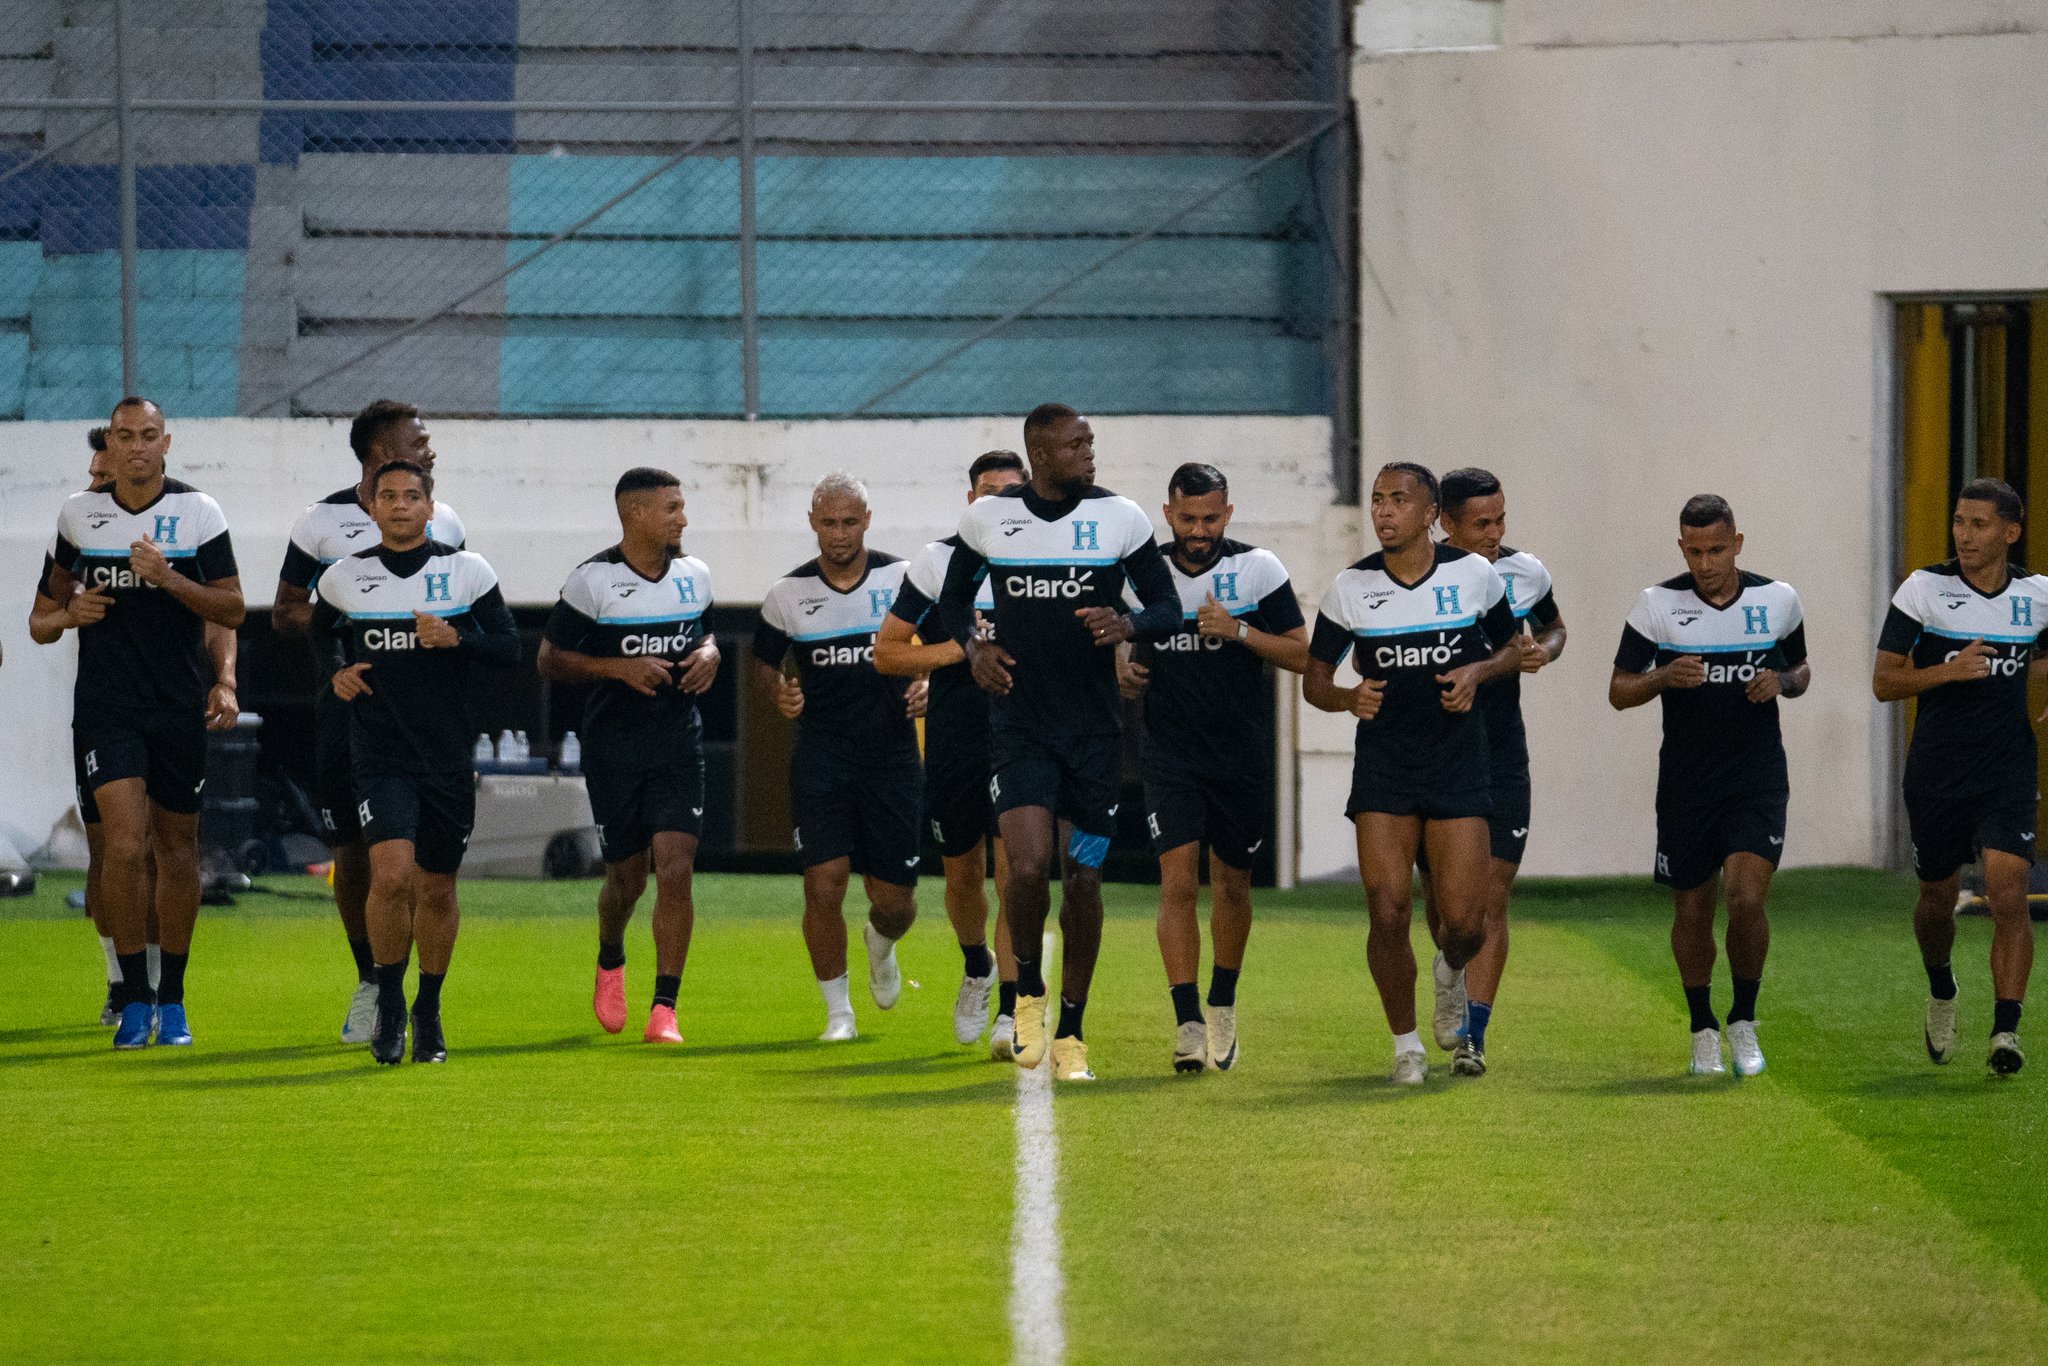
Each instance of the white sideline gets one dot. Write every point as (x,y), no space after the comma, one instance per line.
(1038,1332)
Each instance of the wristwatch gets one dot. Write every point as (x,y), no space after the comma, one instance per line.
(1244,629)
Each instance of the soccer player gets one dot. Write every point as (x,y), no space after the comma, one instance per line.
(47,622)
(1430,624)
(140,565)
(1208,762)
(956,769)
(854,777)
(1720,646)
(1474,516)
(1964,637)
(631,620)
(1059,551)
(394,632)
(331,530)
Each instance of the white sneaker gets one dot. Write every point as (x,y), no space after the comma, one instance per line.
(838,1029)
(2006,1057)
(885,980)
(1448,1020)
(1410,1069)
(1190,1047)
(1742,1045)
(1940,1033)
(1222,1037)
(1706,1053)
(1002,1040)
(362,1014)
(970,1007)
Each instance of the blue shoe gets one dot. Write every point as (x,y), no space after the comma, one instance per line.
(133,1031)
(171,1030)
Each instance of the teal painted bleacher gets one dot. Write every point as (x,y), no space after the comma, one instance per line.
(188,330)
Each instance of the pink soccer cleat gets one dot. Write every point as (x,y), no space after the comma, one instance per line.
(608,1001)
(661,1026)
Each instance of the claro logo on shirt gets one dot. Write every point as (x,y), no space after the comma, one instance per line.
(824,656)
(1074,585)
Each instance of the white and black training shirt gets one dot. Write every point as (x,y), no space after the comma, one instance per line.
(148,653)
(338,526)
(850,710)
(1718,745)
(607,610)
(1973,738)
(1406,634)
(956,718)
(1534,602)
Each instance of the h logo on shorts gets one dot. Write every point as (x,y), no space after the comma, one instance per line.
(2022,611)
(1663,865)
(1152,823)
(686,590)
(166,532)
(1756,621)
(363,811)
(995,788)
(879,600)
(1447,600)
(1084,536)
(1226,587)
(92,762)
(437,588)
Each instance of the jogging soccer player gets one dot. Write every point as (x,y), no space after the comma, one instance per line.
(1427,625)
(1059,552)
(956,769)
(854,777)
(1964,638)
(1720,646)
(1208,759)
(140,565)
(631,621)
(394,632)
(331,530)
(1474,517)
(47,622)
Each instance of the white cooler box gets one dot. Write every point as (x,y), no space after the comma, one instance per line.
(532,826)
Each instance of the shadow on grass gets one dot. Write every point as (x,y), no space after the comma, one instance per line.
(52,1034)
(1369,1089)
(259,1081)
(737,1050)
(988,1092)
(925,1065)
(1667,1084)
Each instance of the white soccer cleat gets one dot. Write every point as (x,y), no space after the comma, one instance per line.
(1222,1037)
(1940,1033)
(885,979)
(1002,1040)
(970,1007)
(1743,1047)
(362,1014)
(838,1029)
(1448,1020)
(1190,1047)
(2006,1057)
(1410,1069)
(1706,1053)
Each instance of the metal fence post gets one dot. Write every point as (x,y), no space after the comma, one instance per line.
(125,125)
(750,323)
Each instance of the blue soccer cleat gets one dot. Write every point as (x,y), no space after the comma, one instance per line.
(133,1031)
(171,1030)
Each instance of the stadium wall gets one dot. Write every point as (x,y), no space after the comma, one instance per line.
(1637,252)
(535,496)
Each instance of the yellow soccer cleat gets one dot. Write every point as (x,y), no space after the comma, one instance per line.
(1030,1030)
(1070,1060)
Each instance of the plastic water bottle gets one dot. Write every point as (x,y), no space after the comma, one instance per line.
(508,748)
(525,750)
(572,753)
(483,753)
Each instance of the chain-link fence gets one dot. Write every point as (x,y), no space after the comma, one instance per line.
(787,208)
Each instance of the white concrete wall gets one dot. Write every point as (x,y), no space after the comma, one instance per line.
(536,499)
(1642,251)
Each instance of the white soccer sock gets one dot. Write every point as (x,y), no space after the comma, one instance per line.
(838,996)
(113,960)
(156,963)
(1411,1042)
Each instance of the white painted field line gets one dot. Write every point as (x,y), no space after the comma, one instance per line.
(1038,1332)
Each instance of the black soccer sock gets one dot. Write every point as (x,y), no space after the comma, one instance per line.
(1030,981)
(612,955)
(666,989)
(2005,1016)
(366,963)
(428,1002)
(1941,982)
(1223,986)
(1006,998)
(1070,1019)
(1745,999)
(170,982)
(1187,1003)
(391,985)
(980,962)
(1702,1009)
(134,978)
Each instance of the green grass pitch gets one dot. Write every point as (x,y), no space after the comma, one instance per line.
(553,1194)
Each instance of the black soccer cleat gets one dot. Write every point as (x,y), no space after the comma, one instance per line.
(387,1040)
(428,1043)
